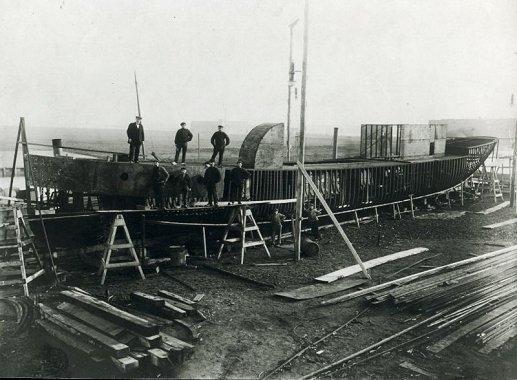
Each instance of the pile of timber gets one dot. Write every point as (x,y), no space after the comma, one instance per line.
(122,337)
(474,299)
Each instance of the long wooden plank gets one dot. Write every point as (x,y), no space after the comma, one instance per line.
(174,296)
(319,290)
(65,337)
(501,224)
(91,335)
(465,329)
(114,314)
(415,276)
(333,218)
(348,271)
(99,323)
(495,208)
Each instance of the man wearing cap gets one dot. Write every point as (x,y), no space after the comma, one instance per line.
(219,141)
(212,177)
(183,136)
(184,186)
(238,177)
(160,178)
(135,138)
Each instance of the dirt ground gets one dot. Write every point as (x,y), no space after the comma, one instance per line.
(249,330)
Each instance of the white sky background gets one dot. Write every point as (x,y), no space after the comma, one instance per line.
(70,63)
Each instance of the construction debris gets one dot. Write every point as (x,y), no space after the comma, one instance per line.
(107,334)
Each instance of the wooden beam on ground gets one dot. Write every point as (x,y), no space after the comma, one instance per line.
(495,208)
(238,276)
(101,324)
(112,313)
(176,297)
(465,329)
(104,342)
(348,271)
(415,276)
(319,290)
(125,364)
(501,224)
(333,218)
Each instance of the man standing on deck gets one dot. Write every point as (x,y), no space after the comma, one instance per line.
(238,177)
(183,136)
(160,178)
(212,178)
(219,141)
(135,138)
(184,186)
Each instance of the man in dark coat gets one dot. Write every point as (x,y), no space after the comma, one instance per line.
(183,136)
(314,223)
(238,177)
(184,186)
(135,138)
(212,178)
(219,141)
(276,227)
(160,178)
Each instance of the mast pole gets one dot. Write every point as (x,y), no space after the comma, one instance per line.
(301,149)
(289,86)
(139,113)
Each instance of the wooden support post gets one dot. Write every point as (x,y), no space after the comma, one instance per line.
(14,163)
(513,195)
(461,193)
(301,151)
(204,242)
(334,143)
(144,250)
(357,219)
(333,218)
(376,215)
(412,206)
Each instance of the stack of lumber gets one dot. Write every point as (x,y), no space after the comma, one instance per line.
(107,334)
(477,301)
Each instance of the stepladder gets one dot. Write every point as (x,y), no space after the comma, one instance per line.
(243,224)
(119,254)
(20,262)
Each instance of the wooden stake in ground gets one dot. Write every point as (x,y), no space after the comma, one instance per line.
(513,202)
(333,218)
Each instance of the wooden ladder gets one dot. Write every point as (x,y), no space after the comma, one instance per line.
(106,262)
(242,217)
(20,262)
(490,182)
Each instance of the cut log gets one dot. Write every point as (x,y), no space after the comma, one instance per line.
(153,341)
(67,338)
(98,323)
(125,364)
(348,271)
(85,332)
(159,358)
(147,299)
(112,313)
(320,290)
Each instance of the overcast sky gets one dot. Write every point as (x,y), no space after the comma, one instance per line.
(71,63)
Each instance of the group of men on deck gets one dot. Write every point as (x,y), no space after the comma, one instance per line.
(136,137)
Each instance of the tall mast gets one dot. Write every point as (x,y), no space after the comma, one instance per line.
(301,149)
(137,98)
(289,86)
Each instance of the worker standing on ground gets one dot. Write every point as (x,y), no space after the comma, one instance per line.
(183,136)
(314,222)
(276,227)
(135,138)
(238,177)
(160,178)
(212,178)
(219,141)
(184,186)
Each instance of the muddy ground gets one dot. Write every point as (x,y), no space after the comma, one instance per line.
(249,331)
